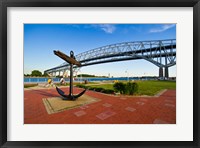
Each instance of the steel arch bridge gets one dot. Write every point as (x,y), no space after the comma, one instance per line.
(161,53)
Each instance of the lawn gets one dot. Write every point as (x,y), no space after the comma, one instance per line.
(153,87)
(149,88)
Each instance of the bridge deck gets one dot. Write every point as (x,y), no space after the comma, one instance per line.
(151,51)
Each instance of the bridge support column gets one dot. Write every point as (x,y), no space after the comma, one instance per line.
(166,72)
(160,72)
(64,73)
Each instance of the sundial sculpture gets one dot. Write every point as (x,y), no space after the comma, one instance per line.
(72,61)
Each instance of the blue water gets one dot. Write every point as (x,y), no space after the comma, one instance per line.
(44,80)
(39,80)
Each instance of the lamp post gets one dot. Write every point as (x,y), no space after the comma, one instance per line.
(127,75)
(145,76)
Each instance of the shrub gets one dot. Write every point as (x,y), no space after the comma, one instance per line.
(103,90)
(82,86)
(91,88)
(79,85)
(131,88)
(99,89)
(108,91)
(30,85)
(120,87)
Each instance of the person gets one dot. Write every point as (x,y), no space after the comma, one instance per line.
(62,81)
(49,81)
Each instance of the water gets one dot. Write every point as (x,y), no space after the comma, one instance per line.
(44,80)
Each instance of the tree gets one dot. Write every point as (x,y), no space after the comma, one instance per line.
(26,75)
(36,73)
(45,75)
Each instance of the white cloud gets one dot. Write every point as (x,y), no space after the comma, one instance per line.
(107,28)
(161,28)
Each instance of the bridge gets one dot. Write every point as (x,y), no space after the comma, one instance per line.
(161,53)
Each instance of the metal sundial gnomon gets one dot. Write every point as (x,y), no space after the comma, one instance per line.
(72,61)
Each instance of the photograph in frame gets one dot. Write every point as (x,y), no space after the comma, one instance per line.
(111,84)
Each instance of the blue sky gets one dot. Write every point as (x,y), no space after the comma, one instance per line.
(41,39)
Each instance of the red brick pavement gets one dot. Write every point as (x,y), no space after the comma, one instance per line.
(109,110)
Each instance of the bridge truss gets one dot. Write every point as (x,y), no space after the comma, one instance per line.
(162,53)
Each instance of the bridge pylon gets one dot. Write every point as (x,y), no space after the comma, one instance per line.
(160,72)
(166,72)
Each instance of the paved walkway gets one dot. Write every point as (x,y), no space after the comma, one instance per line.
(109,110)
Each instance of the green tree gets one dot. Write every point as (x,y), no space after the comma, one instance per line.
(45,75)
(36,73)
(26,75)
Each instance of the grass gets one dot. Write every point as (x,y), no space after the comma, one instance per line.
(30,85)
(149,88)
(153,87)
